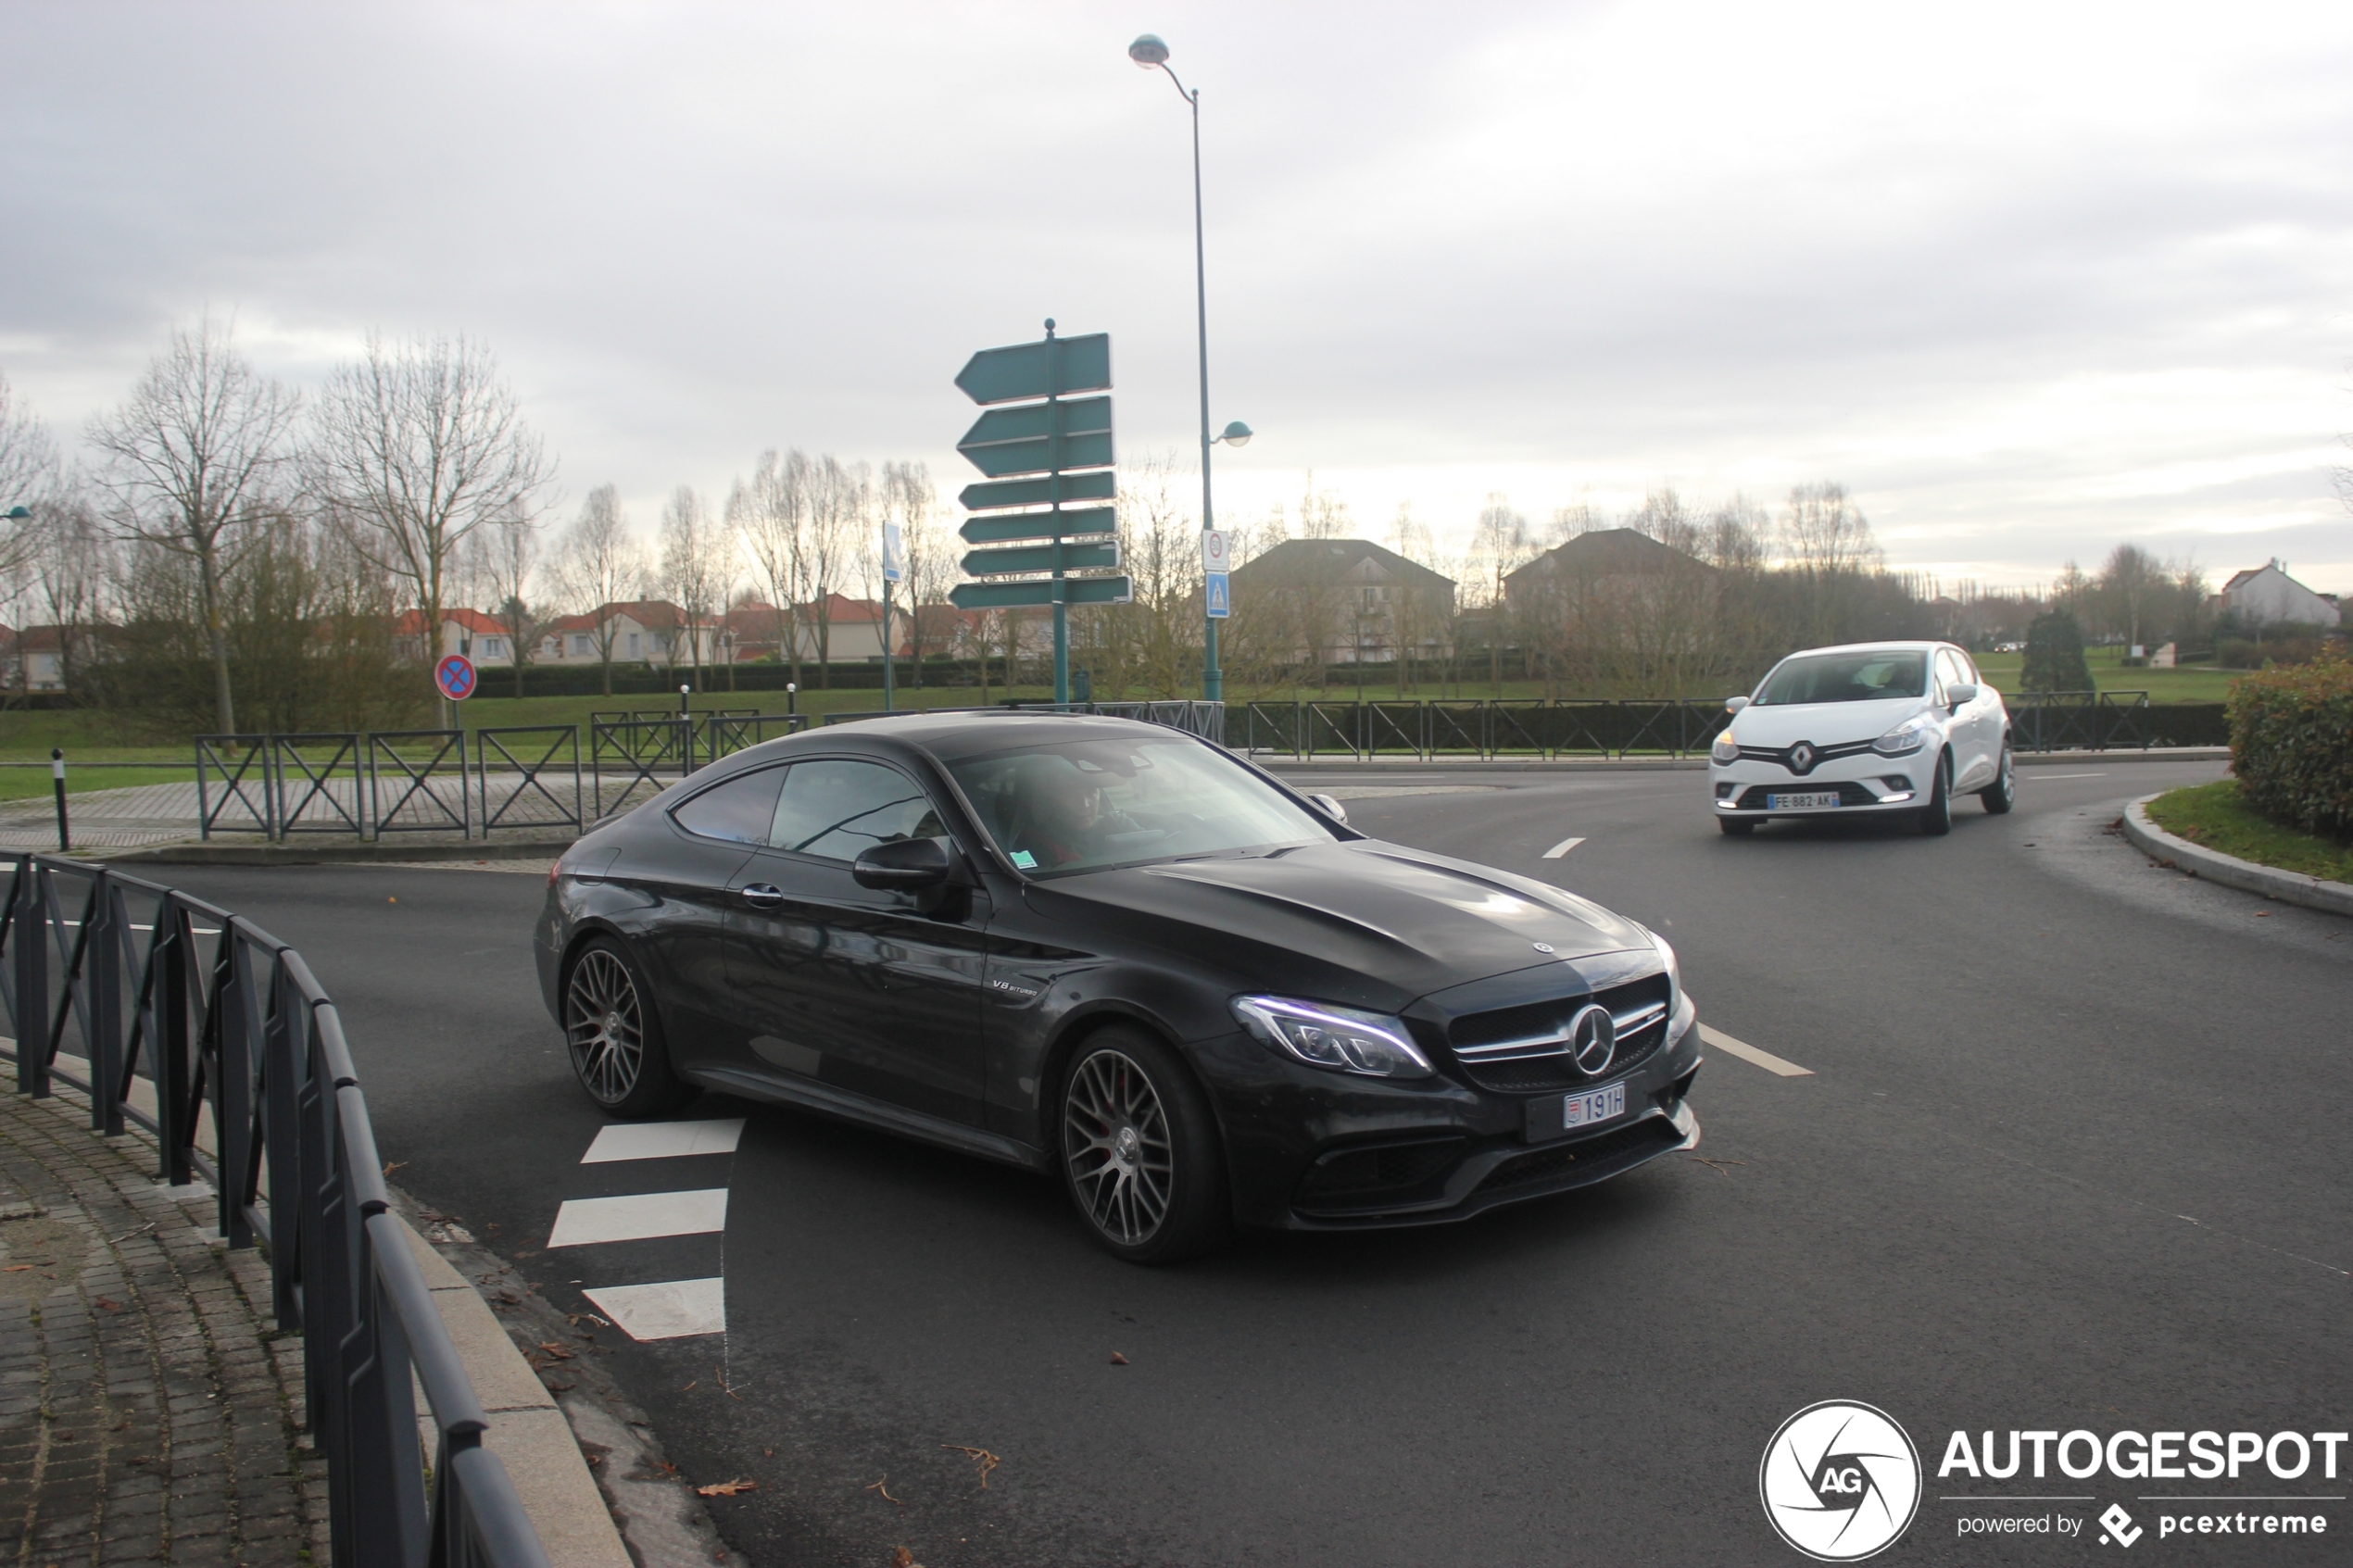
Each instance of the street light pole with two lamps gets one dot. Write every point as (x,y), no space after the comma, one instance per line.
(1151,54)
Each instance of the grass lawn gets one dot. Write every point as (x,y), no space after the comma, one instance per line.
(2201,683)
(2214,817)
(21,783)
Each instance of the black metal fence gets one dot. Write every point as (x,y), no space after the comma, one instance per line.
(1190,715)
(1481,728)
(195,1024)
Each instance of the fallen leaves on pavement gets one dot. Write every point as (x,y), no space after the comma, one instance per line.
(878,1486)
(727,1488)
(1118,1360)
(982,1459)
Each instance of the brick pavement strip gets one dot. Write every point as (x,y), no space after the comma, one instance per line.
(149,1410)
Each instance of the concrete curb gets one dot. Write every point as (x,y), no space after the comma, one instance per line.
(2288,887)
(1373,767)
(528,1430)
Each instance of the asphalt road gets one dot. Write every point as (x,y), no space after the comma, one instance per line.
(2071,1153)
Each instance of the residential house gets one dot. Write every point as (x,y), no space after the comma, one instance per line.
(467,631)
(2267,596)
(1599,555)
(1345,601)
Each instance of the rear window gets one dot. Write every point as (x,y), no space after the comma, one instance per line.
(1845,677)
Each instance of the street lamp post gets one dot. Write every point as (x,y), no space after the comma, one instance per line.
(1151,54)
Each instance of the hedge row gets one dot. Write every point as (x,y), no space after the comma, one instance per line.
(2291,745)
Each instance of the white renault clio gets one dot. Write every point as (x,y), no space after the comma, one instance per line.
(1867,728)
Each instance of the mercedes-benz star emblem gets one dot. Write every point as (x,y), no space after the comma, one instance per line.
(1592,1038)
(1801,758)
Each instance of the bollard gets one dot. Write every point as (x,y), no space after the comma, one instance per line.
(792,699)
(58,776)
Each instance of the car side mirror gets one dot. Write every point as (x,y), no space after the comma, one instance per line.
(1960,692)
(1734,704)
(1330,808)
(905,865)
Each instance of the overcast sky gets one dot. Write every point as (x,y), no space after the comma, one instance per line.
(2026,280)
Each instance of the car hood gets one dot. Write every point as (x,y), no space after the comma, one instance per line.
(1824,723)
(1361,922)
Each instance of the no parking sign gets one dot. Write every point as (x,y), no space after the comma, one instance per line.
(454,676)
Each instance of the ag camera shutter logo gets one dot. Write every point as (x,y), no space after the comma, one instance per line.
(1839,1481)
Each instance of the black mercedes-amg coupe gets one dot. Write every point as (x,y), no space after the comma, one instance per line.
(1115,953)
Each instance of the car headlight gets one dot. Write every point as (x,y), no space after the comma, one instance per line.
(1340,1038)
(1726,748)
(1674,967)
(1905,737)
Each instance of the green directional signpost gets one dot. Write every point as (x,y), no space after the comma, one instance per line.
(1042,449)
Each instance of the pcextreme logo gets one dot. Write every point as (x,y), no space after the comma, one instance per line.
(1839,1481)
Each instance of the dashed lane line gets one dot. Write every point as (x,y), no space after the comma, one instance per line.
(583,1221)
(662,1140)
(669,1310)
(2062,778)
(1563,848)
(1749,1053)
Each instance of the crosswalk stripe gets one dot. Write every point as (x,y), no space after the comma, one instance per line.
(662,1140)
(1749,1053)
(582,1222)
(672,1309)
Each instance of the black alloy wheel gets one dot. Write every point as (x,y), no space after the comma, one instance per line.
(1736,827)
(2002,794)
(1141,1154)
(1936,817)
(614,1036)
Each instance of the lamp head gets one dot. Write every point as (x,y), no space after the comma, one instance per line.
(1148,52)
(1237,434)
(17,514)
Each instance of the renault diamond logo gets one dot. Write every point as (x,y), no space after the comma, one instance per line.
(1592,1038)
(1801,758)
(1841,1481)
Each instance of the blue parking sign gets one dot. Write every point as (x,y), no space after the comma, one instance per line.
(1221,604)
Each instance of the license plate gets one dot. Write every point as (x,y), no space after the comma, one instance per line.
(1587,1111)
(1800,802)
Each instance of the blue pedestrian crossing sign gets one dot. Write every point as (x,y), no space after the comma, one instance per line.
(1221,603)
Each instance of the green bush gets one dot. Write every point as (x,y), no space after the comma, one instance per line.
(2291,745)
(2055,655)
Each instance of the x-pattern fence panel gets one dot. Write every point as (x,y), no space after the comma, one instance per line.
(321,782)
(204,1029)
(1483,728)
(531,758)
(2081,722)
(417,780)
(233,792)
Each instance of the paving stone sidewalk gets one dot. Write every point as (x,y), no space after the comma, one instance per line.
(149,1412)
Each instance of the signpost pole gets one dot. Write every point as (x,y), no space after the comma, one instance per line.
(1061,601)
(887,660)
(1213,680)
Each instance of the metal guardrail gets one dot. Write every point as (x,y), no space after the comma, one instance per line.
(2081,722)
(233,1031)
(1483,728)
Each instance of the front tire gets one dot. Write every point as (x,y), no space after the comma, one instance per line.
(612,1032)
(1141,1155)
(1936,817)
(2002,794)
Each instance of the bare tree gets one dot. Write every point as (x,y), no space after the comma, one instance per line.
(929,564)
(1827,542)
(508,559)
(694,573)
(190,460)
(28,475)
(1500,545)
(770,514)
(840,499)
(600,565)
(416,445)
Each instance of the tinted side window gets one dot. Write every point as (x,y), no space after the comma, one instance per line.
(839,810)
(739,810)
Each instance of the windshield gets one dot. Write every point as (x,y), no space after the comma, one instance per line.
(1090,803)
(1871,676)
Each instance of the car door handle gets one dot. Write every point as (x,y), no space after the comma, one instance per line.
(763,896)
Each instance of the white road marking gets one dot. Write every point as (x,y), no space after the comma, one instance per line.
(2057,778)
(1749,1053)
(582,1222)
(662,1140)
(1563,848)
(669,1310)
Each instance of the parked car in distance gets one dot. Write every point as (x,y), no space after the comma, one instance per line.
(1864,728)
(1124,958)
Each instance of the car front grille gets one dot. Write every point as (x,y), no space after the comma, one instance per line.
(1850,793)
(1519,1050)
(1622,1146)
(1779,755)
